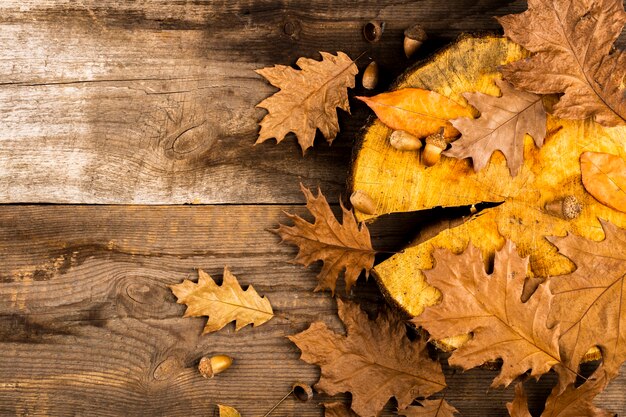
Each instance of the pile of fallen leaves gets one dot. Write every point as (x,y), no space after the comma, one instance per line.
(531,326)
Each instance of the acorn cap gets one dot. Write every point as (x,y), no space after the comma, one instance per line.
(436,140)
(416,32)
(372,31)
(302,391)
(571,207)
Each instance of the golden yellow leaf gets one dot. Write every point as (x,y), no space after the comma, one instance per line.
(226,411)
(604,176)
(222,303)
(417,111)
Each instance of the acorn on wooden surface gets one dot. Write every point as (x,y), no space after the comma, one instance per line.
(567,208)
(404,141)
(302,391)
(372,31)
(362,202)
(209,367)
(370,76)
(414,37)
(435,144)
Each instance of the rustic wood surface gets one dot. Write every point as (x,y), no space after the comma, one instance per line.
(152,102)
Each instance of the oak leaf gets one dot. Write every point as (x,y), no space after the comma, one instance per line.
(604,177)
(417,111)
(430,408)
(308,98)
(374,361)
(338,409)
(519,406)
(491,308)
(588,303)
(341,246)
(502,125)
(222,303)
(572,42)
(226,411)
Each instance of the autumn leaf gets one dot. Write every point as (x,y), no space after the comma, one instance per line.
(222,303)
(338,409)
(226,411)
(502,125)
(430,408)
(519,406)
(341,246)
(308,98)
(417,111)
(374,361)
(604,177)
(490,307)
(572,42)
(588,302)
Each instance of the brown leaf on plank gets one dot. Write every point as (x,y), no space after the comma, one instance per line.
(308,98)
(417,111)
(341,246)
(374,361)
(519,406)
(490,307)
(502,125)
(572,41)
(338,409)
(604,177)
(226,411)
(222,303)
(588,303)
(430,408)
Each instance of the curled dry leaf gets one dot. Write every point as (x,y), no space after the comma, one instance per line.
(604,177)
(490,307)
(588,302)
(374,361)
(308,98)
(339,245)
(338,409)
(226,411)
(572,41)
(430,408)
(417,111)
(222,303)
(502,125)
(519,406)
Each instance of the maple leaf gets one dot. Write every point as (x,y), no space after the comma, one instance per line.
(222,303)
(604,177)
(374,361)
(502,125)
(588,303)
(308,98)
(430,408)
(490,307)
(338,409)
(572,41)
(417,111)
(339,245)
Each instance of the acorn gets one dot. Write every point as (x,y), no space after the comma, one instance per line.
(404,141)
(567,208)
(362,202)
(372,31)
(209,367)
(435,144)
(414,37)
(370,76)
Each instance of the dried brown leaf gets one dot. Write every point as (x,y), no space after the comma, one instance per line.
(588,303)
(222,303)
(502,125)
(338,409)
(339,245)
(430,408)
(374,361)
(308,98)
(604,177)
(519,406)
(572,42)
(490,307)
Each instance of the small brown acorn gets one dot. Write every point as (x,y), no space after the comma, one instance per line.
(362,202)
(370,76)
(567,208)
(435,144)
(414,37)
(372,31)
(209,367)
(404,141)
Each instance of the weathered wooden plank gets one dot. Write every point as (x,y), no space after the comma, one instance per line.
(88,326)
(153,101)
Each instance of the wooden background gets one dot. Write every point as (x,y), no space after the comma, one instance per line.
(119,112)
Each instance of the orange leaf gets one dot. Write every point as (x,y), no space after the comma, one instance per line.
(417,111)
(604,177)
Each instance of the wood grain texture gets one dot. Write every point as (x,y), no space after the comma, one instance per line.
(89,327)
(153,101)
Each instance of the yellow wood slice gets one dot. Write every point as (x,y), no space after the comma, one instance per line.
(397,181)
